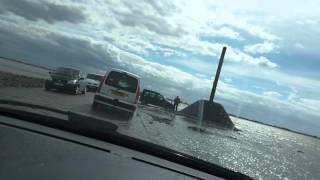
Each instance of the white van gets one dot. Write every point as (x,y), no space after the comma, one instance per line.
(119,89)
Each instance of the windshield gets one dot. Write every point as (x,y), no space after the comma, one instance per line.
(67,72)
(122,81)
(234,83)
(94,77)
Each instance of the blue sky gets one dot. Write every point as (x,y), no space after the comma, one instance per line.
(271,65)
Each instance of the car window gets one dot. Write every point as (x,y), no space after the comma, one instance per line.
(152,95)
(67,72)
(94,77)
(146,93)
(122,81)
(160,97)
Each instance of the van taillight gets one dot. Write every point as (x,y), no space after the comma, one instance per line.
(101,83)
(137,95)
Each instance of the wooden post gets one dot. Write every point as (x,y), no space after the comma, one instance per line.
(216,79)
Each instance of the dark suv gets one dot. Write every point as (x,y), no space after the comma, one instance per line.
(155,98)
(66,79)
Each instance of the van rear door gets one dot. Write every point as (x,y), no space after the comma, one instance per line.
(121,86)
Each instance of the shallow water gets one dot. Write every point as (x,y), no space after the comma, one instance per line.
(260,151)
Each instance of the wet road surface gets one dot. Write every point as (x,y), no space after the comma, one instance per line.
(260,151)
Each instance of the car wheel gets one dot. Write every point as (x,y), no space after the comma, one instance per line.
(84,91)
(94,105)
(47,87)
(128,115)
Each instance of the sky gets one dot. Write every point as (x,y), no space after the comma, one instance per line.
(271,69)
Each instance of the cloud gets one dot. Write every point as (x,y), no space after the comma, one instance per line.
(163,75)
(236,55)
(299,45)
(53,49)
(301,114)
(228,80)
(46,11)
(272,94)
(163,8)
(307,22)
(169,52)
(141,15)
(283,79)
(128,35)
(200,75)
(200,66)
(272,111)
(142,28)
(311,104)
(260,48)
(223,32)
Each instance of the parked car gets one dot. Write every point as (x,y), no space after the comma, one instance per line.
(67,80)
(93,81)
(155,98)
(119,89)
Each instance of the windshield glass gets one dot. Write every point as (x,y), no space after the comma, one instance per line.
(122,81)
(234,83)
(94,77)
(67,72)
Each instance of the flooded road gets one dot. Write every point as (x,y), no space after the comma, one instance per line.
(260,151)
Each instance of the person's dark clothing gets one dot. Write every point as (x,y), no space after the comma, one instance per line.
(176,103)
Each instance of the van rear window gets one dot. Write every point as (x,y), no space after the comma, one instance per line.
(122,81)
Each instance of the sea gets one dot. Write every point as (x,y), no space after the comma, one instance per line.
(257,150)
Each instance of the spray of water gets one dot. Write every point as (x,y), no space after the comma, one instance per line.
(200,114)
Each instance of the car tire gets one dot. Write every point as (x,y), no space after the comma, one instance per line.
(128,115)
(95,105)
(47,87)
(84,91)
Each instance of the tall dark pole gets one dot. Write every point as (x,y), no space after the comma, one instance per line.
(216,79)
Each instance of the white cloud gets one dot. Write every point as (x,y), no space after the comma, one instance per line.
(292,96)
(200,75)
(275,76)
(43,10)
(312,105)
(224,17)
(272,94)
(299,45)
(228,80)
(162,73)
(236,55)
(168,52)
(307,22)
(123,29)
(260,48)
(271,100)
(197,65)
(223,32)
(138,29)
